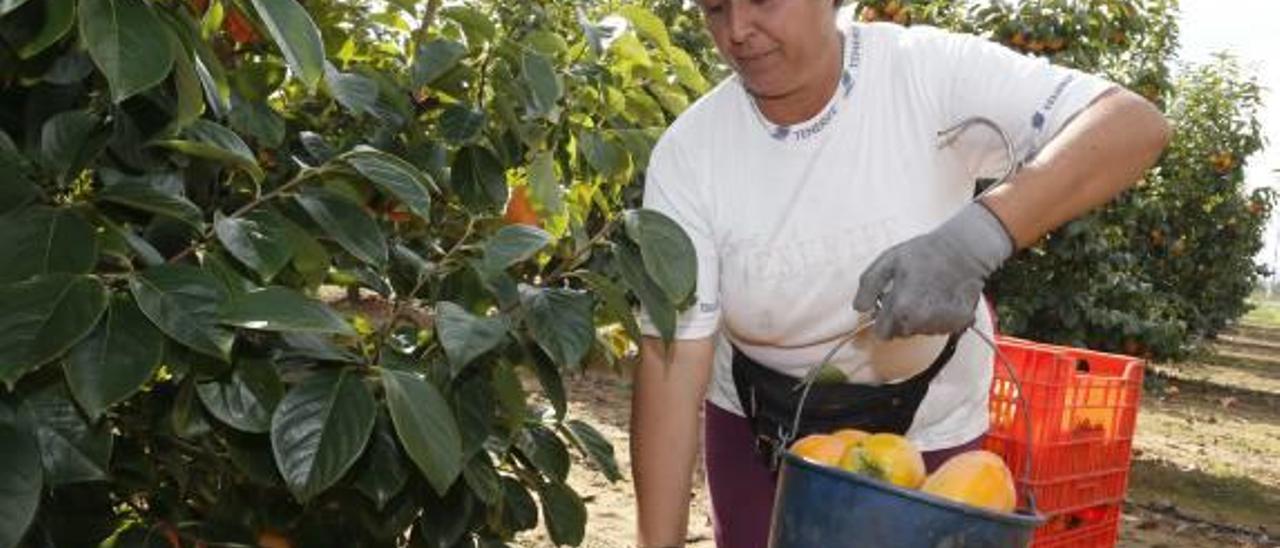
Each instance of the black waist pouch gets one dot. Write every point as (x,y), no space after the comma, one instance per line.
(769,400)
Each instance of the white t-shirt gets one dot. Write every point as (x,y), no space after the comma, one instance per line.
(785,220)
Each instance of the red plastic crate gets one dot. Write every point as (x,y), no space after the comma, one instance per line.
(1095,526)
(1082,407)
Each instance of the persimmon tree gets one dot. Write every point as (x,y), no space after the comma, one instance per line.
(262,275)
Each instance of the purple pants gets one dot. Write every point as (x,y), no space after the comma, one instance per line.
(742,487)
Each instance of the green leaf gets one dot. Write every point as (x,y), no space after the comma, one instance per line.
(545,450)
(616,306)
(319,431)
(560,320)
(115,360)
(461,125)
(473,406)
(282,309)
(666,250)
(639,144)
(655,301)
(434,59)
(394,176)
(478,26)
(123,39)
(545,87)
(465,336)
(21,476)
(251,455)
(479,177)
(642,109)
(410,267)
(17,189)
(71,449)
(310,259)
(519,506)
(183,302)
(595,447)
(247,399)
(42,318)
(445,520)
(347,223)
(564,512)
(259,240)
(187,417)
(59,15)
(510,395)
(144,197)
(381,473)
(256,118)
(186,80)
(513,244)
(629,54)
(603,156)
(212,19)
(296,35)
(213,77)
(686,71)
(483,479)
(547,43)
(69,141)
(68,69)
(205,139)
(671,97)
(43,240)
(357,94)
(146,252)
(313,346)
(497,282)
(426,427)
(552,384)
(221,268)
(9,6)
(545,184)
(649,25)
(315,145)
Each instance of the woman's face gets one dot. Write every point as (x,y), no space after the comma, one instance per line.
(773,45)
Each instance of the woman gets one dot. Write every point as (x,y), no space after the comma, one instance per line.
(814,176)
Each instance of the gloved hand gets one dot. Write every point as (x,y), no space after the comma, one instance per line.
(930,284)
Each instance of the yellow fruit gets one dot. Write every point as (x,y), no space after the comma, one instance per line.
(520,208)
(887,457)
(825,449)
(977,478)
(273,539)
(850,435)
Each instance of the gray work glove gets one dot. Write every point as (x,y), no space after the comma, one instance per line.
(930,284)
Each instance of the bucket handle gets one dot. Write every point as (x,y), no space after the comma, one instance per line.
(947,136)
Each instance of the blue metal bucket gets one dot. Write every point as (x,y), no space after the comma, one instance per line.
(825,507)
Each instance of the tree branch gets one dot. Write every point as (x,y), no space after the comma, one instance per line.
(208,232)
(574,260)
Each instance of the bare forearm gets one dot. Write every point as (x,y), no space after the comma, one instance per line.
(1098,155)
(665,404)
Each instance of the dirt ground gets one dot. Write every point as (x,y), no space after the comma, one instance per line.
(1206,460)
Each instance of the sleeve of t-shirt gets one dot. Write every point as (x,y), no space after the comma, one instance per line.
(1030,98)
(672,187)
